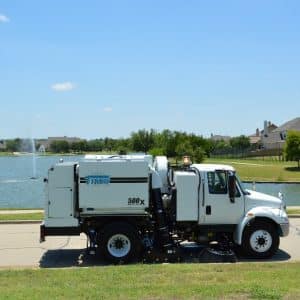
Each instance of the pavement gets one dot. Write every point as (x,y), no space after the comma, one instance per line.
(20,247)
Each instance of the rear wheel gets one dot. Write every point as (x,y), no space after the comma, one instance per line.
(119,242)
(260,240)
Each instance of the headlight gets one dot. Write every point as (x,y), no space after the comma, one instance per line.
(281,197)
(284,217)
(284,220)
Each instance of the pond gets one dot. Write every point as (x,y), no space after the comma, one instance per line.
(290,191)
(19,190)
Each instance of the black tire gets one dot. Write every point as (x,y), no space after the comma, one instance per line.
(119,243)
(260,240)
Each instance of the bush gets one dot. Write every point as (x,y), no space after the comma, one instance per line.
(198,155)
(184,149)
(58,146)
(292,147)
(157,151)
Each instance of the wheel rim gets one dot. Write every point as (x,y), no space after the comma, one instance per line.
(261,241)
(118,245)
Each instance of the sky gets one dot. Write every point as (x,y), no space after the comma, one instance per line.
(107,68)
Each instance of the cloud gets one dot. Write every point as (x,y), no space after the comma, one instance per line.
(107,109)
(4,19)
(63,86)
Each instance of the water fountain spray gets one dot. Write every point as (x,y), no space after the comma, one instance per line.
(33,150)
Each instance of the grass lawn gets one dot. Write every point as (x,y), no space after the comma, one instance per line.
(6,153)
(16,208)
(170,281)
(293,211)
(23,216)
(261,170)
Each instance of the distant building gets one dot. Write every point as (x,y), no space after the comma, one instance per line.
(2,145)
(217,138)
(275,139)
(257,139)
(272,136)
(45,143)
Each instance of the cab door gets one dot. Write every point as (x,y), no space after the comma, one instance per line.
(218,209)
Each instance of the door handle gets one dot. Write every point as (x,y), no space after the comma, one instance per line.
(208,210)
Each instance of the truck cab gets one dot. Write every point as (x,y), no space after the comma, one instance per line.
(255,220)
(130,204)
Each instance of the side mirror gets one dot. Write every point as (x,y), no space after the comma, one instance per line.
(231,187)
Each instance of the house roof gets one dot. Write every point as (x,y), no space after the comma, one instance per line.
(220,137)
(254,139)
(271,127)
(290,125)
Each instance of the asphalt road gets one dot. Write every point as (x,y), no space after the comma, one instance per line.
(20,247)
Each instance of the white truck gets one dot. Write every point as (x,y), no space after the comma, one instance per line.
(130,204)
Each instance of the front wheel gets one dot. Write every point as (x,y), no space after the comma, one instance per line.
(119,242)
(260,240)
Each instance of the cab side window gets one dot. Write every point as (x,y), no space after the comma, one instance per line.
(217,182)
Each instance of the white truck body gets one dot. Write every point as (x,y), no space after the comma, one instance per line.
(88,196)
(112,188)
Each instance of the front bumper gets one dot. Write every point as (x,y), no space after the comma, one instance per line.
(285,229)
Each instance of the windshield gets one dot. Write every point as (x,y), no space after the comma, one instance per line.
(241,185)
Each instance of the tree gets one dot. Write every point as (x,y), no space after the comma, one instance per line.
(220,146)
(292,146)
(79,146)
(95,145)
(156,151)
(143,140)
(109,144)
(13,145)
(184,149)
(167,141)
(241,142)
(123,146)
(198,155)
(59,146)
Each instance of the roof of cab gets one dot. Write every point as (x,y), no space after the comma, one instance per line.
(213,167)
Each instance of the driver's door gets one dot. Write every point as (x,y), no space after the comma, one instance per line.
(218,209)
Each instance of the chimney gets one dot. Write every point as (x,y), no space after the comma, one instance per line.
(257,132)
(266,129)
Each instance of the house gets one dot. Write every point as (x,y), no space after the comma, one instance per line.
(275,139)
(256,139)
